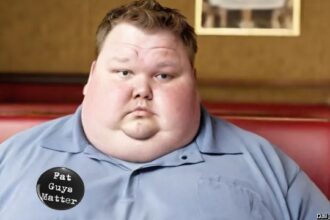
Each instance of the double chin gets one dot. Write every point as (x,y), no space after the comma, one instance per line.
(140,129)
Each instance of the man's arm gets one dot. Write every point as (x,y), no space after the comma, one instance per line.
(305,200)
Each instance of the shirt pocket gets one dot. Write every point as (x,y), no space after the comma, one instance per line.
(220,198)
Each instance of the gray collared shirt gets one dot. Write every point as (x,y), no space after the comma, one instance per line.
(224,173)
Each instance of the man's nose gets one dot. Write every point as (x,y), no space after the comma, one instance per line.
(142,89)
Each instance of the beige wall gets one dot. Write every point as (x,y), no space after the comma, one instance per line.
(57,36)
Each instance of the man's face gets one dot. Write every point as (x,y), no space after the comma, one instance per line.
(141,91)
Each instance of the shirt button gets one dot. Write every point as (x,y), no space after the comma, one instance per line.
(184,157)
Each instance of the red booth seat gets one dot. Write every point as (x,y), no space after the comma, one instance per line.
(305,138)
(9,126)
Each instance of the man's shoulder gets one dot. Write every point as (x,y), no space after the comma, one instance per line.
(259,149)
(243,138)
(248,141)
(37,133)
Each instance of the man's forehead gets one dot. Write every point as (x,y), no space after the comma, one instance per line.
(145,47)
(128,49)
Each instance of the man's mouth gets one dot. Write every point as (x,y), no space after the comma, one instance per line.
(141,112)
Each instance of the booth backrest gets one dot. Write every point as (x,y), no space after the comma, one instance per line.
(305,139)
(17,117)
(11,125)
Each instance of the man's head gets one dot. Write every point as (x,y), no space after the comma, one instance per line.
(149,15)
(141,100)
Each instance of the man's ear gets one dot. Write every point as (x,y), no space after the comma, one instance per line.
(198,94)
(195,73)
(91,74)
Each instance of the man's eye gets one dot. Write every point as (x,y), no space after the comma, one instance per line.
(164,76)
(123,73)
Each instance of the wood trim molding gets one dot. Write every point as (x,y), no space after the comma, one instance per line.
(243,83)
(42,78)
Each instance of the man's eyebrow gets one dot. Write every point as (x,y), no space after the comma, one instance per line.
(120,59)
(167,63)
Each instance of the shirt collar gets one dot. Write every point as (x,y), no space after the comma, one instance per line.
(74,140)
(215,136)
(189,154)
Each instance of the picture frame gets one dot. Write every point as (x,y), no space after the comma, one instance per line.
(248,17)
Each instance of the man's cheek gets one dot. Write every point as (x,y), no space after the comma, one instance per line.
(117,96)
(177,104)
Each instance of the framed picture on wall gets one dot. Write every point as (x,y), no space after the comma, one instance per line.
(248,17)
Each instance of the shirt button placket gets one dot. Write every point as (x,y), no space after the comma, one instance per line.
(126,203)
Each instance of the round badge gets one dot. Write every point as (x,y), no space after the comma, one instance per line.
(60,188)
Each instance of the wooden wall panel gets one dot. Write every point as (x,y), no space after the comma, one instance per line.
(57,36)
(45,36)
(282,59)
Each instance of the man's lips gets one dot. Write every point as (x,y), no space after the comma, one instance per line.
(140,111)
